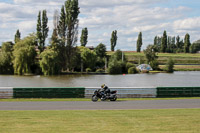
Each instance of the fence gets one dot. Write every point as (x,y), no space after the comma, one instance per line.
(48,92)
(81,92)
(178,91)
(126,92)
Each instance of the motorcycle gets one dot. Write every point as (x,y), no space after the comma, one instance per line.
(99,94)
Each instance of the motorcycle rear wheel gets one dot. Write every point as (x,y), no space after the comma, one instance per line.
(94,98)
(114,99)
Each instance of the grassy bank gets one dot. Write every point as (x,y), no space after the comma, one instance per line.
(118,121)
(179,58)
(86,99)
(183,67)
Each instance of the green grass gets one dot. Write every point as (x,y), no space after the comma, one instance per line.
(117,121)
(183,67)
(86,99)
(179,58)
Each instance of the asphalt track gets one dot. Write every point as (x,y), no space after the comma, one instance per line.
(88,105)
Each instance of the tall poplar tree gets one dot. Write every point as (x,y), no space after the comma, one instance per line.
(139,42)
(42,29)
(45,28)
(178,42)
(113,40)
(84,37)
(187,43)
(164,42)
(55,41)
(155,41)
(17,36)
(39,30)
(62,26)
(70,12)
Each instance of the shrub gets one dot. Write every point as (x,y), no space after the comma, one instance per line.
(132,70)
(116,64)
(88,70)
(100,70)
(129,65)
(170,66)
(155,65)
(115,67)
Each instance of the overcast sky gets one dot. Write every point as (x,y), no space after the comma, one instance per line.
(101,17)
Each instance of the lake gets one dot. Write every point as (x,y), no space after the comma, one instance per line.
(186,79)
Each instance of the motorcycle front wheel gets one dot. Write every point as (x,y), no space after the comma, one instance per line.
(94,98)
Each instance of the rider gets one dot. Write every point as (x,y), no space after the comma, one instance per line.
(105,89)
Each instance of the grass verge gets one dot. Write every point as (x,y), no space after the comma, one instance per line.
(183,67)
(86,99)
(179,58)
(118,121)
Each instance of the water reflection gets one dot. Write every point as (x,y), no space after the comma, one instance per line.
(136,80)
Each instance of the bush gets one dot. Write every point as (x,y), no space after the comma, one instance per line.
(170,66)
(115,67)
(155,65)
(88,70)
(132,70)
(129,65)
(100,71)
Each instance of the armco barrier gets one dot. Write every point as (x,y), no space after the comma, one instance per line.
(178,91)
(49,92)
(126,92)
(80,92)
(6,92)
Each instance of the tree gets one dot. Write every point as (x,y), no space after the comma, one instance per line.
(42,29)
(170,45)
(17,36)
(100,50)
(195,47)
(84,37)
(49,62)
(170,65)
(119,56)
(24,55)
(116,64)
(151,56)
(113,40)
(115,67)
(88,57)
(56,20)
(45,28)
(187,43)
(179,45)
(6,56)
(157,43)
(39,29)
(55,41)
(178,42)
(164,42)
(139,42)
(72,12)
(62,27)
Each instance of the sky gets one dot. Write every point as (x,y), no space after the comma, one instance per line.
(101,17)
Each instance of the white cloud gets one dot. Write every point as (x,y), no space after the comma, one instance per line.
(128,17)
(187,24)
